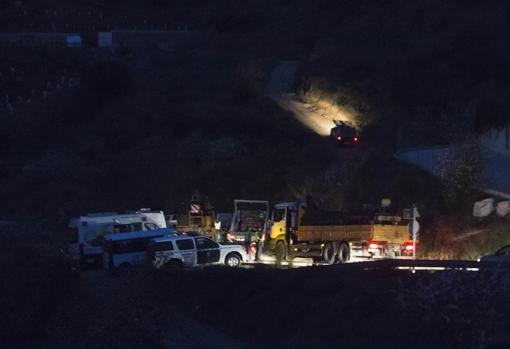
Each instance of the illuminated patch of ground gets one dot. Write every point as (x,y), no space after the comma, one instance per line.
(315,117)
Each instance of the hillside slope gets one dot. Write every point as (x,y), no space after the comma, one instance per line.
(147,128)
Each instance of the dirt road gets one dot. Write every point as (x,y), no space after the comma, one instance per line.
(280,89)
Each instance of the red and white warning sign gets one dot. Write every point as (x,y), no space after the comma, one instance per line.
(195,209)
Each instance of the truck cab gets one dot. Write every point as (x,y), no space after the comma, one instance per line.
(285,222)
(283,228)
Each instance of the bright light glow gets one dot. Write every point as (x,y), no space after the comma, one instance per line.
(373,245)
(413,269)
(409,247)
(339,138)
(271,260)
(355,139)
(315,118)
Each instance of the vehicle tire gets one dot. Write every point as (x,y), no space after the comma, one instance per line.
(125,268)
(279,252)
(344,253)
(316,260)
(173,266)
(328,253)
(233,260)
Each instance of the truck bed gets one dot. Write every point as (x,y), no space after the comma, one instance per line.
(364,232)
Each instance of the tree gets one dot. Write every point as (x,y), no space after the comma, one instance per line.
(461,170)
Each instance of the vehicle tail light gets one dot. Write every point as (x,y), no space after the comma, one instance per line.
(355,139)
(373,245)
(338,138)
(253,248)
(408,246)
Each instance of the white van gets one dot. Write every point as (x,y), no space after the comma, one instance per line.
(125,250)
(87,232)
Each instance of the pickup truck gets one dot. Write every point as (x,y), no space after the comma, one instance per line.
(184,251)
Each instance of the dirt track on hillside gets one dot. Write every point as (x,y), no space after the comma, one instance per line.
(280,89)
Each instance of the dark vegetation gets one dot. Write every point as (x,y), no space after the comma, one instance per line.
(417,71)
(271,308)
(147,130)
(413,72)
(150,127)
(35,275)
(90,130)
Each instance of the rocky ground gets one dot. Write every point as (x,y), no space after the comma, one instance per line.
(340,306)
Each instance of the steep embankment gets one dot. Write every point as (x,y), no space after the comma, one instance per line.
(154,127)
(148,129)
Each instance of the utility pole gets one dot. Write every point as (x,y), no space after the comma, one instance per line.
(415,226)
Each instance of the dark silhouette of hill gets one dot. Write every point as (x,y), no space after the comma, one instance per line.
(149,127)
(90,130)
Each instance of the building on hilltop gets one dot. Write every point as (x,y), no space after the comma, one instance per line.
(71,40)
(139,39)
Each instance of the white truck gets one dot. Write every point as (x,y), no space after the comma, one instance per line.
(87,232)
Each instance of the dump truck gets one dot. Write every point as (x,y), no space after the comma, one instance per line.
(299,229)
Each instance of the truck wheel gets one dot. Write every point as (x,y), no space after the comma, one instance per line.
(328,253)
(343,253)
(173,266)
(316,260)
(279,252)
(233,260)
